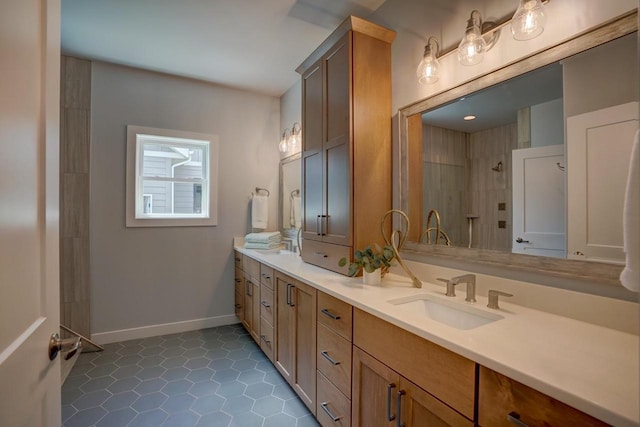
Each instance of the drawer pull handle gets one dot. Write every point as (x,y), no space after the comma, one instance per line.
(265,304)
(329,314)
(399,422)
(322,254)
(327,411)
(237,259)
(290,302)
(238,306)
(265,276)
(329,358)
(264,338)
(238,280)
(390,416)
(514,418)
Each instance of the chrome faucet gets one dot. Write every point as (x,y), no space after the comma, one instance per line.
(469,279)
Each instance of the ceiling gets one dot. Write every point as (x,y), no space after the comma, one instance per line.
(498,105)
(253,45)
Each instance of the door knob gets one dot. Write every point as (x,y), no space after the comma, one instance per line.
(70,345)
(521,240)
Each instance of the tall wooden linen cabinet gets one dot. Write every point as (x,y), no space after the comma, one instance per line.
(346,150)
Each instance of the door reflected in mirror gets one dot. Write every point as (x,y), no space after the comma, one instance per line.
(290,217)
(500,165)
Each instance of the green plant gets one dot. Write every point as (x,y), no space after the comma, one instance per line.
(370,260)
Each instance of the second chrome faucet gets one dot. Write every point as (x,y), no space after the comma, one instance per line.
(469,279)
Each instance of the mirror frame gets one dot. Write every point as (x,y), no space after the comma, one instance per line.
(284,161)
(499,263)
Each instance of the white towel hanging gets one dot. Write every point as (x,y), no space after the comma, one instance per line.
(259,211)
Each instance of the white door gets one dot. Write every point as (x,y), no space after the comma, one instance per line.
(598,151)
(538,201)
(29,293)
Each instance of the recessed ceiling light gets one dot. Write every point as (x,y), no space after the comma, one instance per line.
(469,117)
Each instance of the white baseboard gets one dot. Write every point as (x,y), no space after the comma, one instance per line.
(163,329)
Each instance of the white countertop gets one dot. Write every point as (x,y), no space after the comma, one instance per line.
(592,368)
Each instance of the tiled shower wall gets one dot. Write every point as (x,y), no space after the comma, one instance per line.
(458,173)
(75,114)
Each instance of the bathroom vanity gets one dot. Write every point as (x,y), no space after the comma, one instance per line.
(373,355)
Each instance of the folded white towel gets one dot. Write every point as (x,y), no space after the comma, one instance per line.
(630,276)
(259,211)
(253,245)
(264,237)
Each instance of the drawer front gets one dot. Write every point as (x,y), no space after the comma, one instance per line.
(266,276)
(266,338)
(251,267)
(239,280)
(332,405)
(335,314)
(501,397)
(325,255)
(334,359)
(266,303)
(237,258)
(443,373)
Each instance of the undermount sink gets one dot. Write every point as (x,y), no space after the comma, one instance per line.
(454,314)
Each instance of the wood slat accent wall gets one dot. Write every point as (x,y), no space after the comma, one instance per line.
(75,118)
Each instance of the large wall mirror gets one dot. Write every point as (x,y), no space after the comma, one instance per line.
(290,218)
(526,167)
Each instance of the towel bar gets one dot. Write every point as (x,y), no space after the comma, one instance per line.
(258,189)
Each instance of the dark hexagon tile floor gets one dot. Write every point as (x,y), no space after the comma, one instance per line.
(214,377)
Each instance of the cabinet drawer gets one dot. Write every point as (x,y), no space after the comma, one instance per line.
(500,397)
(266,338)
(266,303)
(237,258)
(325,255)
(335,314)
(334,358)
(334,408)
(251,267)
(266,276)
(443,373)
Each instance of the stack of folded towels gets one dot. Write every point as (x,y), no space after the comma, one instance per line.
(264,240)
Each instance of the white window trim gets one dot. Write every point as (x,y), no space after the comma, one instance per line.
(132,182)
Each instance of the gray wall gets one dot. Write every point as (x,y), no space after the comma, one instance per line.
(583,74)
(148,276)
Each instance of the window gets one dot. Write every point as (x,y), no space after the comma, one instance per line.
(171,178)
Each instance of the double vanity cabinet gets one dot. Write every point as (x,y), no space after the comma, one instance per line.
(353,368)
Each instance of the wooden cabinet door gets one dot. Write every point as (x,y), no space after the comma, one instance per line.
(255,309)
(247,309)
(313,136)
(284,326)
(374,392)
(303,302)
(336,146)
(239,294)
(417,408)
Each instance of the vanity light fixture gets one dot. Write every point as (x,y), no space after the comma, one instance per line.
(295,140)
(283,146)
(529,20)
(473,46)
(428,68)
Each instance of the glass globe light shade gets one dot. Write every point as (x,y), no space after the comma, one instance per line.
(472,47)
(428,69)
(529,20)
